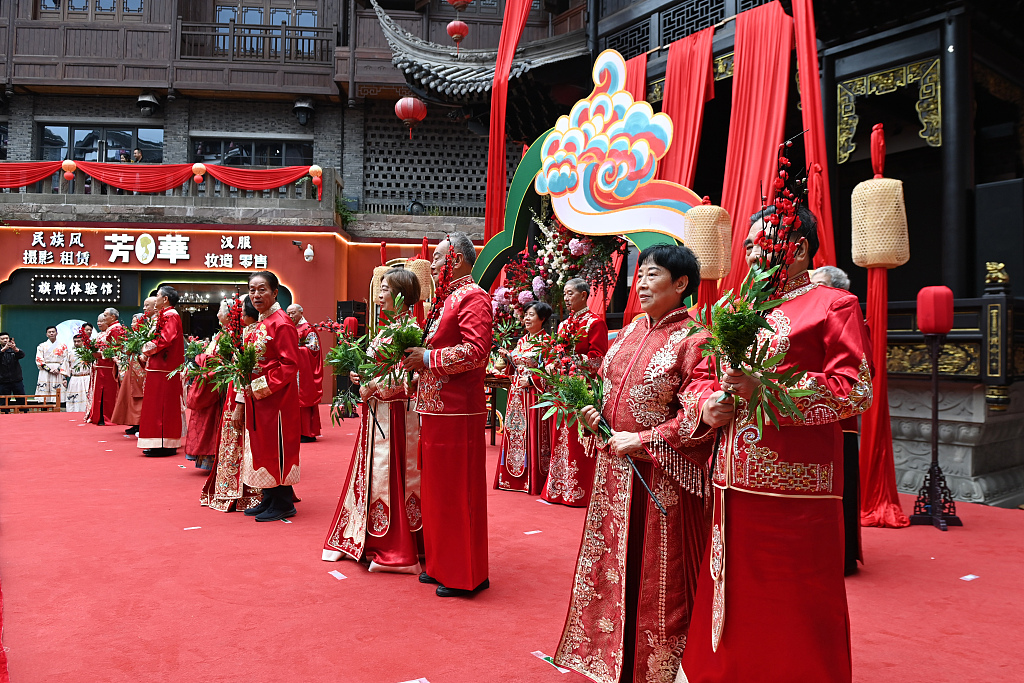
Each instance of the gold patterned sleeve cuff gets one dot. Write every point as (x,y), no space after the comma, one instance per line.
(260,388)
(148,348)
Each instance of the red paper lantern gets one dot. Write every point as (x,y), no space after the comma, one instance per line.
(457,31)
(935,310)
(197,178)
(68,175)
(411,110)
(317,180)
(459,5)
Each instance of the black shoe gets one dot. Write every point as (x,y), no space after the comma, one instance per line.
(281,507)
(265,503)
(159,452)
(307,439)
(132,431)
(446,592)
(427,578)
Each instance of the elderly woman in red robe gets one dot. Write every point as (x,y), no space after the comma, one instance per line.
(526,443)
(269,405)
(771,603)
(637,570)
(379,517)
(224,489)
(104,371)
(571,471)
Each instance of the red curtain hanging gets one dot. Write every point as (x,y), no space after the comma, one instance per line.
(818,195)
(636,84)
(251,179)
(879,502)
(689,85)
(516,12)
(15,174)
(764,40)
(138,177)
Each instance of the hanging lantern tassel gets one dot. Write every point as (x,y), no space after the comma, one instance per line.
(317,174)
(708,234)
(880,242)
(411,110)
(457,31)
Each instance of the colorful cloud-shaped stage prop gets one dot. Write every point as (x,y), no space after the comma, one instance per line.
(599,163)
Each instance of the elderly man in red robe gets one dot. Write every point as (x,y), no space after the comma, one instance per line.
(128,410)
(311,375)
(571,470)
(104,371)
(162,424)
(451,404)
(637,570)
(771,600)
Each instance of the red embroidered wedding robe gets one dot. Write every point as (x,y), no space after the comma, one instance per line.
(632,595)
(450,401)
(526,443)
(162,423)
(204,419)
(311,378)
(571,471)
(271,455)
(128,410)
(379,511)
(771,600)
(224,490)
(104,384)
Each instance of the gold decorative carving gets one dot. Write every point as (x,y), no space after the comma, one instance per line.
(995,340)
(997,397)
(723,66)
(656,91)
(954,359)
(929,107)
(995,273)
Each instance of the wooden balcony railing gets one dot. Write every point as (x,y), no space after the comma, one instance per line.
(233,42)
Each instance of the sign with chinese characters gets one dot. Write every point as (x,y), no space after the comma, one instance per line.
(57,247)
(77,288)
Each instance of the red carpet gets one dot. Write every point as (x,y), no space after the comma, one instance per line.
(102,582)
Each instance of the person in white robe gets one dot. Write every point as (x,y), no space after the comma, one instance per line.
(78,385)
(51,357)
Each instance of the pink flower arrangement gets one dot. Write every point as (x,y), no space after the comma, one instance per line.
(578,247)
(501,296)
(539,285)
(525,298)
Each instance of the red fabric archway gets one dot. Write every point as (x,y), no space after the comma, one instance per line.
(138,177)
(764,41)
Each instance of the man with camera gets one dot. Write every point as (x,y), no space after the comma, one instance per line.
(11,383)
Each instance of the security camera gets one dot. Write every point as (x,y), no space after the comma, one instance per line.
(308,254)
(147,103)
(303,110)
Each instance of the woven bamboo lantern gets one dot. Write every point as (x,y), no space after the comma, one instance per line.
(880,238)
(378,275)
(421,269)
(708,234)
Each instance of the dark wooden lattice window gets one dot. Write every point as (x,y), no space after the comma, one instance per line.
(631,41)
(690,17)
(443,166)
(744,5)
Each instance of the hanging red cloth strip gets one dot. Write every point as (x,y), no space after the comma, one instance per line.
(764,40)
(253,179)
(818,195)
(15,174)
(879,502)
(138,177)
(516,12)
(689,85)
(636,84)
(598,302)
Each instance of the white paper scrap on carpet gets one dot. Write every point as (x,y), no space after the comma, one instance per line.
(969,577)
(530,533)
(418,680)
(546,502)
(190,528)
(540,655)
(336,574)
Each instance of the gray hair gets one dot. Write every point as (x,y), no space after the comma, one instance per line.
(461,243)
(297,307)
(579,284)
(111,311)
(836,276)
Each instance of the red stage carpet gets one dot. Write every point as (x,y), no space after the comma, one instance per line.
(105,579)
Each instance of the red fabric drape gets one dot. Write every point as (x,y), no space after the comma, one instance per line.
(879,503)
(516,12)
(689,84)
(636,84)
(764,40)
(598,302)
(253,179)
(15,174)
(138,177)
(818,196)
